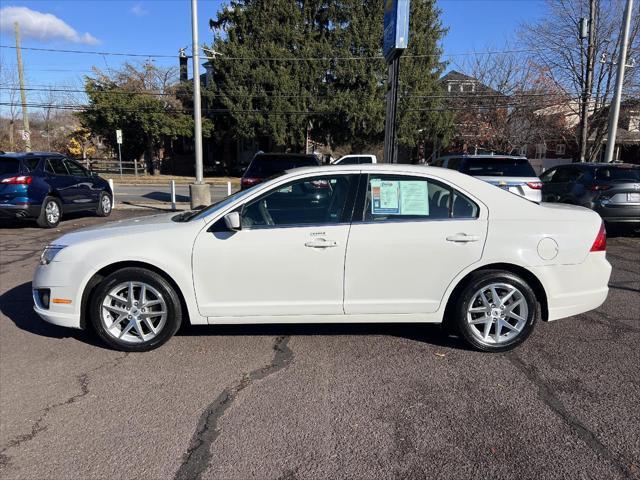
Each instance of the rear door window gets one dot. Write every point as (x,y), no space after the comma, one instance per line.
(631,174)
(400,198)
(56,166)
(75,169)
(498,167)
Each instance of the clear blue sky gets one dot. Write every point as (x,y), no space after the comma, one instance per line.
(161,27)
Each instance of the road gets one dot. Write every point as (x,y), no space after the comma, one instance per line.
(159,194)
(310,402)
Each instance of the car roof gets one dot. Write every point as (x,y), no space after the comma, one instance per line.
(20,155)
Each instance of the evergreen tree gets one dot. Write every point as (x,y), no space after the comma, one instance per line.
(288,67)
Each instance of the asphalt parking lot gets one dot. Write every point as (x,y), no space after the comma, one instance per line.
(310,402)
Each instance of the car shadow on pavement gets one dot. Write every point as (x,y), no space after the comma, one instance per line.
(14,223)
(424,333)
(17,305)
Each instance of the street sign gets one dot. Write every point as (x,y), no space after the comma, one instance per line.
(24,134)
(119,137)
(396,27)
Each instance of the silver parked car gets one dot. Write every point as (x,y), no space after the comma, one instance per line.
(511,173)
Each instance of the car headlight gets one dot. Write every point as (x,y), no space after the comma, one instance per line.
(49,253)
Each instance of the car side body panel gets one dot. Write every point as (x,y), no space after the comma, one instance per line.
(551,242)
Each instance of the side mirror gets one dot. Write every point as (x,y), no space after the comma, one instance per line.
(232,220)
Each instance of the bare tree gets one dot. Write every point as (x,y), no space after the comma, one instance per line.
(10,92)
(554,44)
(515,105)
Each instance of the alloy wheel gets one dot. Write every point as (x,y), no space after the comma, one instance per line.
(497,313)
(52,212)
(106,204)
(133,312)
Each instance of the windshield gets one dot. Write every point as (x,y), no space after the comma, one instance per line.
(618,173)
(498,167)
(200,214)
(9,165)
(266,165)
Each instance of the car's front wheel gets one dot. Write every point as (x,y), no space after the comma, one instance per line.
(496,311)
(135,310)
(105,205)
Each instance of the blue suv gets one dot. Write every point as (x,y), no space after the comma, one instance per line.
(45,186)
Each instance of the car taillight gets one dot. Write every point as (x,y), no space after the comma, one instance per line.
(249,182)
(599,188)
(600,243)
(19,180)
(535,185)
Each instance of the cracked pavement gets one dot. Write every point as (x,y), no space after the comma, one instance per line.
(329,401)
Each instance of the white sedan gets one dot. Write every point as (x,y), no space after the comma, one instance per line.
(353,243)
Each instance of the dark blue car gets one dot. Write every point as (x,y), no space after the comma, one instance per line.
(45,186)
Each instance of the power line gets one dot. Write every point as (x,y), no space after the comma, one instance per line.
(275,59)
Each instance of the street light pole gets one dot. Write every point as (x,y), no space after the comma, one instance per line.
(614,109)
(200,193)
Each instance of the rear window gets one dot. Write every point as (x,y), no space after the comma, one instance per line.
(618,173)
(498,167)
(9,165)
(264,166)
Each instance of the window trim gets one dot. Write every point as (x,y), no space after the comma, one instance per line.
(347,217)
(364,185)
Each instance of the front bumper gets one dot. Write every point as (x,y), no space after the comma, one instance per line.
(58,278)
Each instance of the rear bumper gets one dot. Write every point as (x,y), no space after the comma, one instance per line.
(575,289)
(19,211)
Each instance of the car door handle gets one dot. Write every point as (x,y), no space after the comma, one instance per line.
(462,238)
(321,243)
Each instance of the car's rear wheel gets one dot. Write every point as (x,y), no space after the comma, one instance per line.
(50,213)
(105,205)
(496,311)
(135,310)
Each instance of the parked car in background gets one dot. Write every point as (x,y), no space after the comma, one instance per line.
(611,189)
(514,174)
(355,159)
(386,243)
(45,186)
(265,165)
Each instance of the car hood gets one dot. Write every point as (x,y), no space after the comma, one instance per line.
(149,225)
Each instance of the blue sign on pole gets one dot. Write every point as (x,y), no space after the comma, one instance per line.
(396,27)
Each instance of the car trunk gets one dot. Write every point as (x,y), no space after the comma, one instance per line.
(620,192)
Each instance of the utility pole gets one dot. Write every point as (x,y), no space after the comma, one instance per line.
(23,94)
(587,84)
(614,109)
(199,191)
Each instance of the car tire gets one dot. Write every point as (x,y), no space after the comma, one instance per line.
(50,213)
(135,310)
(495,311)
(105,205)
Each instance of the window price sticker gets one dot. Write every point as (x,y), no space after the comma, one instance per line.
(397,197)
